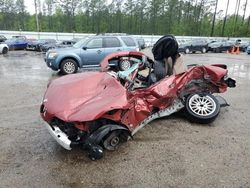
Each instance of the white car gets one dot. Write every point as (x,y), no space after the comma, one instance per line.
(4,48)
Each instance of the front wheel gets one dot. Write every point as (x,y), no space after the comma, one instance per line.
(202,108)
(68,66)
(5,50)
(114,139)
(186,51)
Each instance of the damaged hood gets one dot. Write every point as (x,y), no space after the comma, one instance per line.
(84,96)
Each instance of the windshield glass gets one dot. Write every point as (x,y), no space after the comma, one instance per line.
(10,40)
(81,43)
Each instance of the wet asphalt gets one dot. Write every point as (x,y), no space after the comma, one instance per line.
(169,152)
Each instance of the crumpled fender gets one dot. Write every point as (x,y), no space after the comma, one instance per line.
(99,134)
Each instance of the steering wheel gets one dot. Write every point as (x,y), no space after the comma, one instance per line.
(129,75)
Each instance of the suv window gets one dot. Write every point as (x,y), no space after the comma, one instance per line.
(95,43)
(128,41)
(110,42)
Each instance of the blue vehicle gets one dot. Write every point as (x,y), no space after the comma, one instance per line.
(248,50)
(36,45)
(16,43)
(88,52)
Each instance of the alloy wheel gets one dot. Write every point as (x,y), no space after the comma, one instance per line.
(202,105)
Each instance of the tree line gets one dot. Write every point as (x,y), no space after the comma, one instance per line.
(152,17)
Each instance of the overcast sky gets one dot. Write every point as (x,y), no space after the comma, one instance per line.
(221,6)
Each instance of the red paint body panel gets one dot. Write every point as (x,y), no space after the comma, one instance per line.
(163,93)
(88,96)
(84,96)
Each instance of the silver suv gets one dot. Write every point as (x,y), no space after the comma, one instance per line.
(88,52)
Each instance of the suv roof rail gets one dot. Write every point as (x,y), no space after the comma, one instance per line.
(113,34)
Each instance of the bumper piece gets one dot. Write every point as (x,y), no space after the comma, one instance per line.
(59,136)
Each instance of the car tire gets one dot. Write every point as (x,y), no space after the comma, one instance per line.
(114,139)
(68,66)
(5,50)
(124,64)
(187,51)
(203,50)
(202,108)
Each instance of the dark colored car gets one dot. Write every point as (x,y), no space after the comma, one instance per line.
(141,42)
(2,38)
(242,44)
(221,46)
(32,44)
(62,44)
(38,44)
(19,37)
(16,44)
(193,46)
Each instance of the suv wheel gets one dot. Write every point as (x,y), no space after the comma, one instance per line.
(68,66)
(124,64)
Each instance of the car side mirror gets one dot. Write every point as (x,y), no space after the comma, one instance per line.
(84,47)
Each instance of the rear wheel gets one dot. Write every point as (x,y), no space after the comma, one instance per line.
(124,64)
(202,108)
(68,66)
(203,50)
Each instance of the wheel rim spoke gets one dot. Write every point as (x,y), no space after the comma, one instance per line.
(69,67)
(202,105)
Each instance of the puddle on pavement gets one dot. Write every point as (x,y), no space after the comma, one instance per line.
(241,70)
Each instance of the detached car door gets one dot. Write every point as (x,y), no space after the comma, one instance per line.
(93,53)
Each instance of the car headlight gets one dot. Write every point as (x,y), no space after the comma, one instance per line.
(52,55)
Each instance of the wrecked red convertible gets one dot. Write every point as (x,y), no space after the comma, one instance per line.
(100,110)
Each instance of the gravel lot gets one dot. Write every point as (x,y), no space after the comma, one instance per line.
(169,152)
